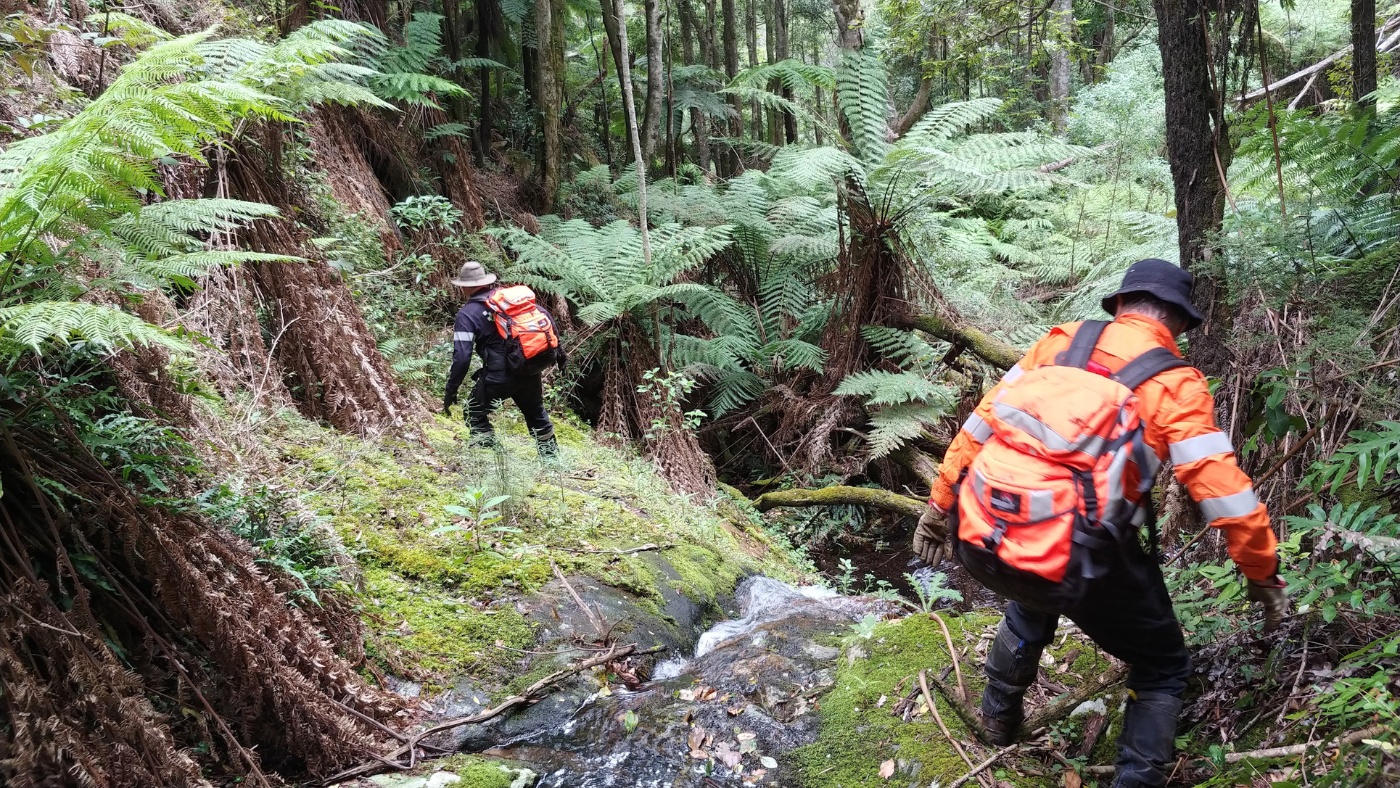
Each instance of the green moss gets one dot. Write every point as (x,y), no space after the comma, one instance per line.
(475,771)
(858,733)
(446,635)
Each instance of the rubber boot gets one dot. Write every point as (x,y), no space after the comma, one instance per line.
(1145,745)
(1011,668)
(547,447)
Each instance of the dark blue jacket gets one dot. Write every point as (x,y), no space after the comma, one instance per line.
(475,328)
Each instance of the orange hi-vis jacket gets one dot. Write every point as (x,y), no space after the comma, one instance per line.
(1178,416)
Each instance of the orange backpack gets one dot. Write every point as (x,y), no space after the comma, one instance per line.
(532,344)
(1064,478)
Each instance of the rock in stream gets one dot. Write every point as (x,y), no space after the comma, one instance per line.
(726,716)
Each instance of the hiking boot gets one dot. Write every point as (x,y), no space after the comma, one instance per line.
(1001,731)
(1011,668)
(547,447)
(482,440)
(1145,745)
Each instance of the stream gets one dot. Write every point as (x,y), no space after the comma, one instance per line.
(734,704)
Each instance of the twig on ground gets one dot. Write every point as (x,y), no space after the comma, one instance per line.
(1290,751)
(593,618)
(933,709)
(410,748)
(1067,703)
(964,711)
(952,655)
(984,765)
(629,551)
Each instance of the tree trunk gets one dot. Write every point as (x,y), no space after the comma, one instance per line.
(549,29)
(850,21)
(770,55)
(784,51)
(488,28)
(731,69)
(751,41)
(1363,51)
(921,99)
(698,127)
(656,73)
(1199,152)
(612,28)
(1061,37)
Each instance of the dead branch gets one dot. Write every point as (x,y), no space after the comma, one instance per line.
(838,495)
(1383,44)
(1068,702)
(952,655)
(629,551)
(1289,751)
(968,717)
(984,345)
(383,763)
(588,611)
(984,765)
(933,709)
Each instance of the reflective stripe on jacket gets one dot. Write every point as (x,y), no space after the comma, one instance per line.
(1179,414)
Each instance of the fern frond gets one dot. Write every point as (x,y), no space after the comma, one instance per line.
(66,323)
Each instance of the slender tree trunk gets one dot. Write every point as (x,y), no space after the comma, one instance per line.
(709,43)
(1363,51)
(629,108)
(613,29)
(656,79)
(919,105)
(784,51)
(698,126)
(1110,33)
(488,24)
(1199,153)
(731,69)
(751,42)
(549,29)
(1061,37)
(770,55)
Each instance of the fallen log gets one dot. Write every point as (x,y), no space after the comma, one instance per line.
(985,346)
(1053,711)
(919,463)
(838,495)
(1386,40)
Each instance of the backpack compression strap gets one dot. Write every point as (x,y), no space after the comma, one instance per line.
(1081,348)
(1147,366)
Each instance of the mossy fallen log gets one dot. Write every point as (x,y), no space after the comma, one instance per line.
(838,495)
(987,347)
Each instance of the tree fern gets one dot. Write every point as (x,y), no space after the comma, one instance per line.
(80,197)
(901,406)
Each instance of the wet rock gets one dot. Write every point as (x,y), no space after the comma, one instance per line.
(728,718)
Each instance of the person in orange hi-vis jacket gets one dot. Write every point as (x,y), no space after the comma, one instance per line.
(1127,610)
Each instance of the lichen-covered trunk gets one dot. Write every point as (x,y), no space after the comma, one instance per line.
(1061,38)
(549,29)
(656,72)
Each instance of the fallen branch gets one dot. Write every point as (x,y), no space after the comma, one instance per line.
(588,611)
(838,495)
(952,655)
(1383,44)
(531,694)
(984,345)
(984,765)
(629,551)
(933,709)
(1290,751)
(919,463)
(964,712)
(1070,701)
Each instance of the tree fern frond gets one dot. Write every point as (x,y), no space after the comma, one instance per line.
(65,323)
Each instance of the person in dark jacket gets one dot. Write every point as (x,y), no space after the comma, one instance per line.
(475,329)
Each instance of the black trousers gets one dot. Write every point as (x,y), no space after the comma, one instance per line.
(528,394)
(1128,613)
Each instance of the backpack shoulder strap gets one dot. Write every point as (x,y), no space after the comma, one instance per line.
(1147,366)
(1082,346)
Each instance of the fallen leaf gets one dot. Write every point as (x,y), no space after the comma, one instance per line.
(735,711)
(700,755)
(757,774)
(1073,780)
(768,763)
(630,720)
(887,769)
(726,755)
(879,704)
(696,738)
(703,693)
(686,694)
(746,736)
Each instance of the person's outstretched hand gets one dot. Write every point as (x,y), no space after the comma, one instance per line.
(931,536)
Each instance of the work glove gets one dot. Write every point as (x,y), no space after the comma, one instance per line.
(931,536)
(1270,594)
(447,403)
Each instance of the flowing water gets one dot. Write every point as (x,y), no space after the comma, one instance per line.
(744,696)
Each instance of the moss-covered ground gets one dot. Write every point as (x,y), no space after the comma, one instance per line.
(861,728)
(442,603)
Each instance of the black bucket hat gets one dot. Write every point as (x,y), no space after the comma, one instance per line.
(1167,281)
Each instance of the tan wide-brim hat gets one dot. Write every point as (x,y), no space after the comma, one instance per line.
(473,274)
